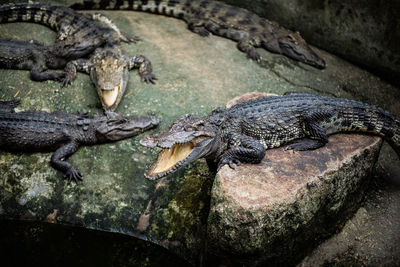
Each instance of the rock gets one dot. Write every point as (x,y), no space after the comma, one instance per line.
(278,210)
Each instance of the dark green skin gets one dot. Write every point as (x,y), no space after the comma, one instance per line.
(64,133)
(214,17)
(245,131)
(33,56)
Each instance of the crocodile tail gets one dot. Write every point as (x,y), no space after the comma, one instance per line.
(41,13)
(172,8)
(358,116)
(391,133)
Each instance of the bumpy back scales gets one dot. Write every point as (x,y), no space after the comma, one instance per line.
(45,14)
(282,117)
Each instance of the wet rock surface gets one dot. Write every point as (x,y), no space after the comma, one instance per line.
(195,75)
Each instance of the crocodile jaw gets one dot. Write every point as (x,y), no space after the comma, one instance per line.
(109,98)
(171,159)
(114,126)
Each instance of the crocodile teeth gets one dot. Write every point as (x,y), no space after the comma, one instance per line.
(168,158)
(171,159)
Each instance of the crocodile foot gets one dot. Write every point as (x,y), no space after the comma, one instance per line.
(149,78)
(228,160)
(66,80)
(73,175)
(130,38)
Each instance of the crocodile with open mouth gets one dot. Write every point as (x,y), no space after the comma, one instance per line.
(64,133)
(213,17)
(243,132)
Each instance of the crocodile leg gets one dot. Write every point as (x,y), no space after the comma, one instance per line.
(65,167)
(145,69)
(197,26)
(250,150)
(247,45)
(316,135)
(38,72)
(82,65)
(303,144)
(38,75)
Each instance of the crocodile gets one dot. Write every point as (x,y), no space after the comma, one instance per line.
(214,17)
(243,132)
(108,68)
(34,56)
(79,35)
(64,133)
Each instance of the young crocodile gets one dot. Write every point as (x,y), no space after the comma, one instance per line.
(34,56)
(238,24)
(30,131)
(79,35)
(243,132)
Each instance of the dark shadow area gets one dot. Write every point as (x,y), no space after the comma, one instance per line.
(43,244)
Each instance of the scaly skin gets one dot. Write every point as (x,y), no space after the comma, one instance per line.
(33,56)
(30,131)
(88,33)
(238,24)
(243,132)
(78,35)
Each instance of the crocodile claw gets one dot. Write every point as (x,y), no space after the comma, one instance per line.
(149,78)
(130,38)
(66,80)
(229,161)
(252,54)
(73,175)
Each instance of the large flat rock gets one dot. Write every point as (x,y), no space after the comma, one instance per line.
(279,209)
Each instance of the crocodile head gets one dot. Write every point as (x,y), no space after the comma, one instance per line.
(110,74)
(73,47)
(185,141)
(114,126)
(292,45)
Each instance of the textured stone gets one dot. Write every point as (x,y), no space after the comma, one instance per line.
(278,210)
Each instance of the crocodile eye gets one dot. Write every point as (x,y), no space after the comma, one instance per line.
(188,128)
(199,123)
(116,122)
